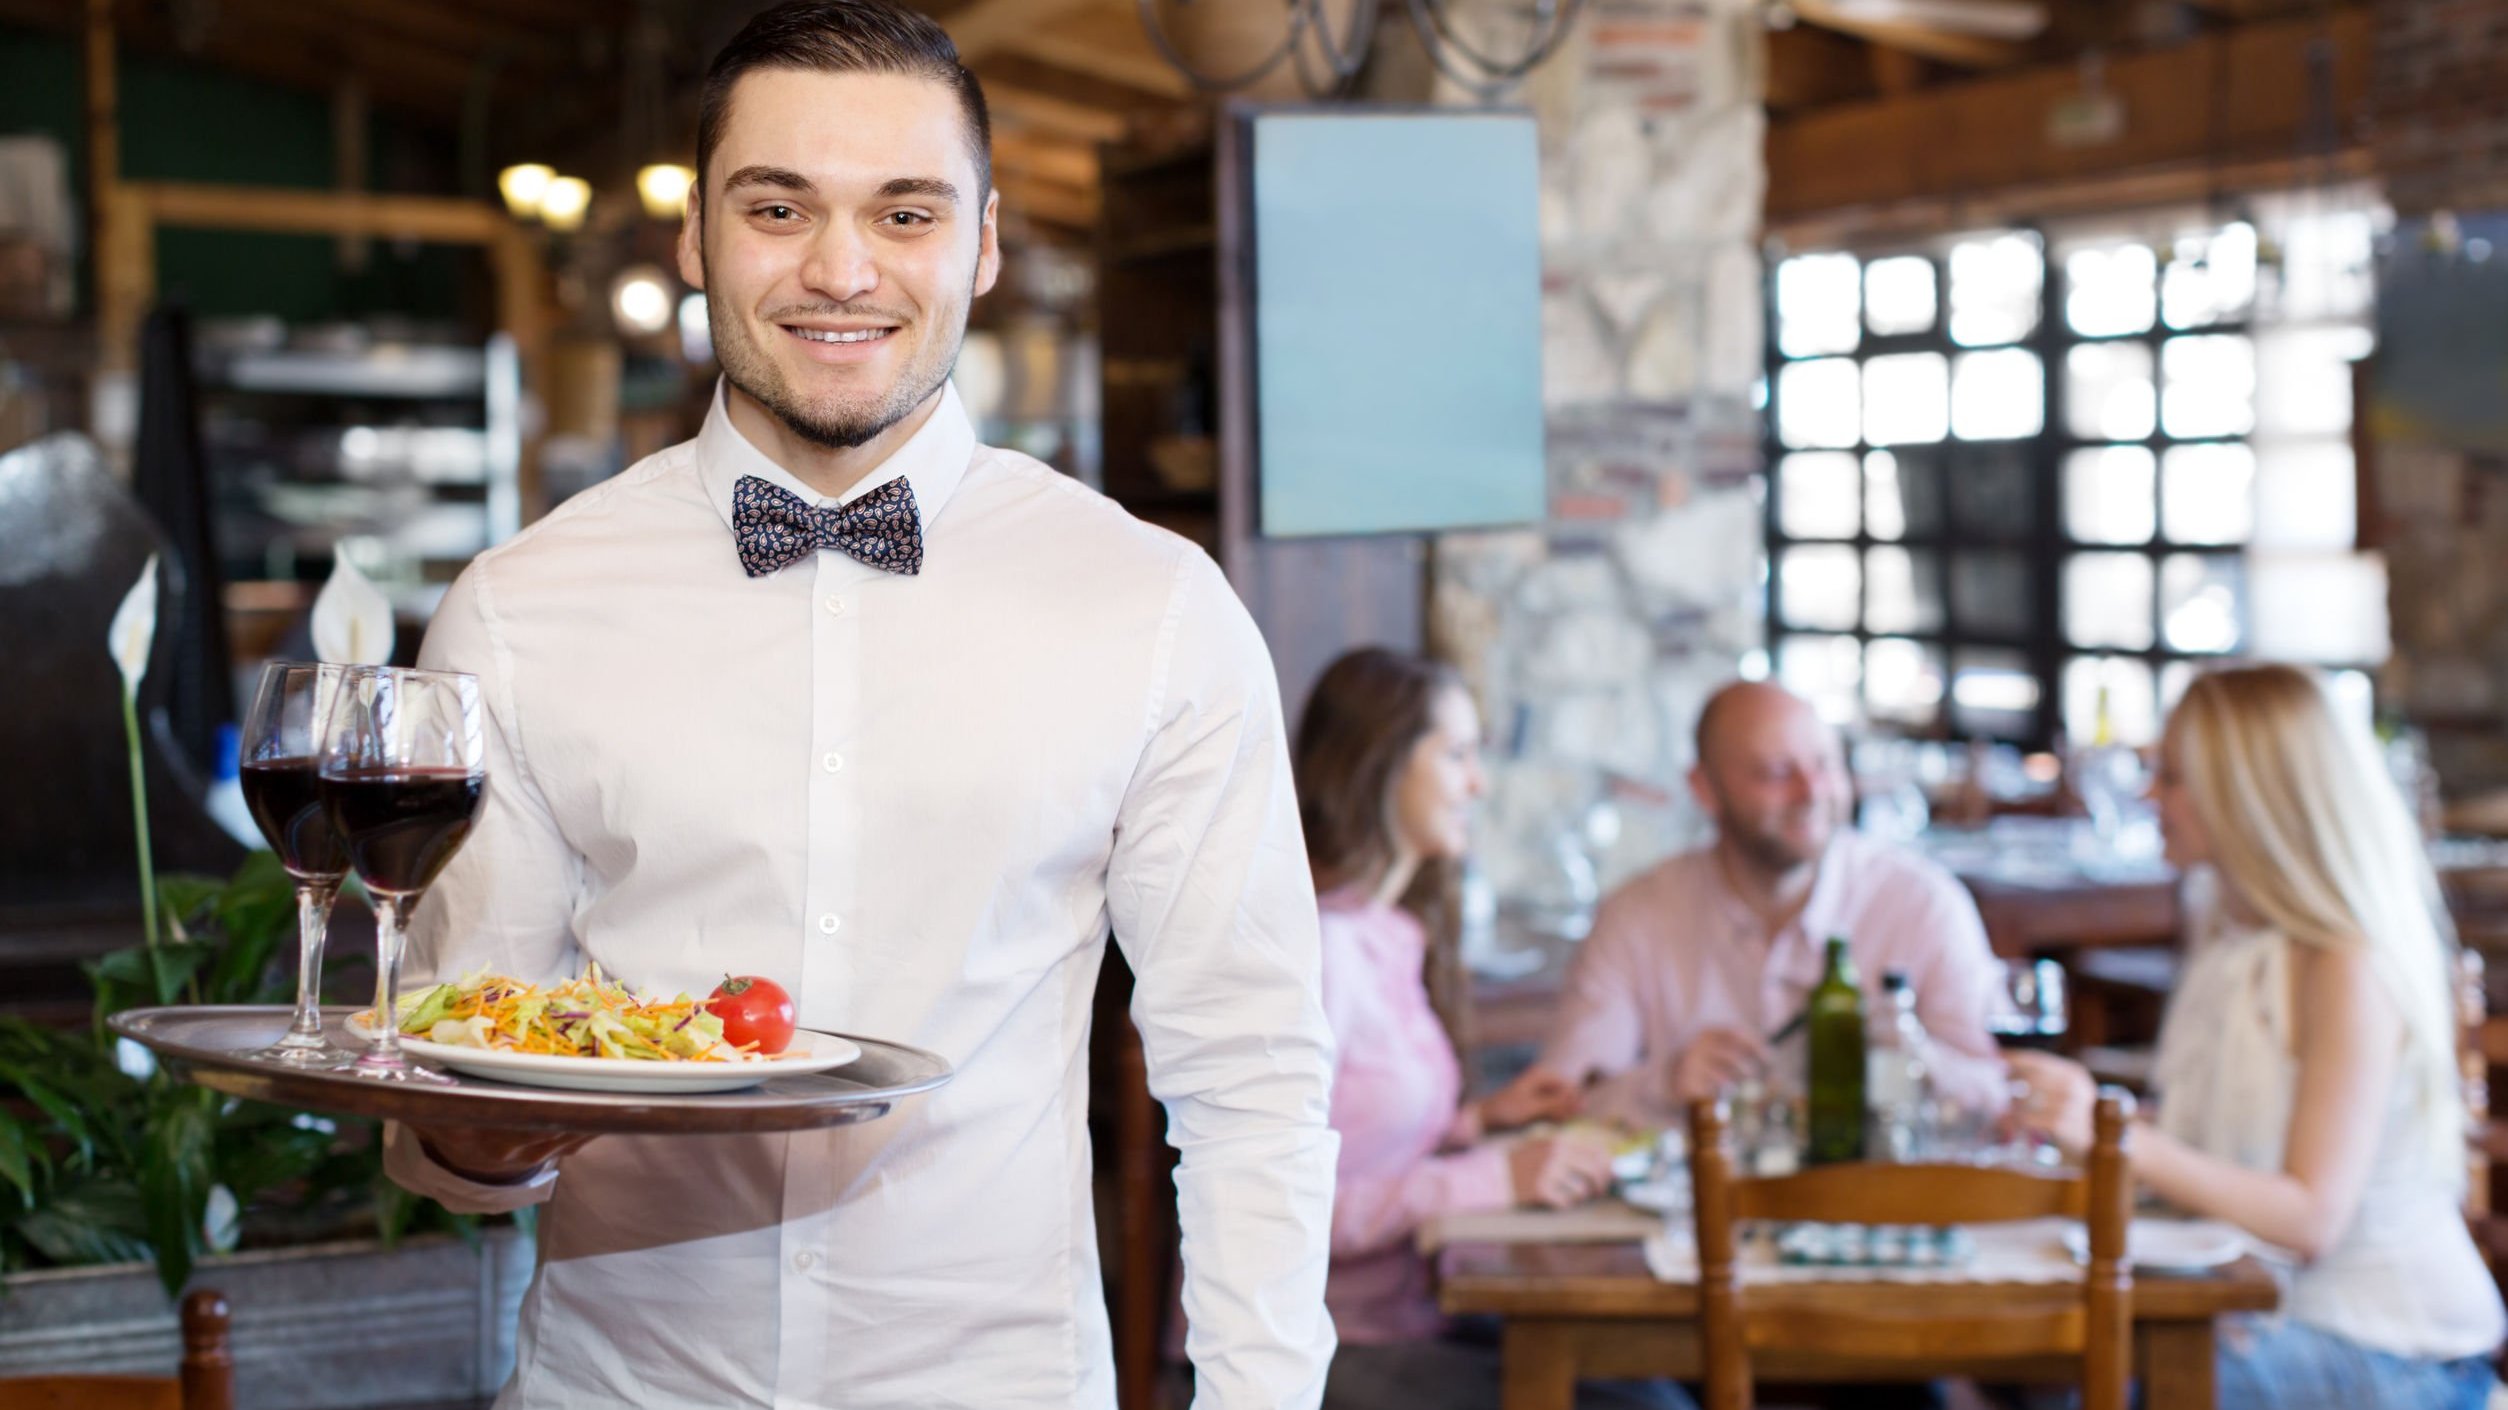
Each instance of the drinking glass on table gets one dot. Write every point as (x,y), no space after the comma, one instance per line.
(403,767)
(2028,1010)
(281,758)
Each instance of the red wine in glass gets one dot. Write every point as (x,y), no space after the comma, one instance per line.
(403,769)
(280,751)
(286,799)
(403,825)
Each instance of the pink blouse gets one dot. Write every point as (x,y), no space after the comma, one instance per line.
(1395,1102)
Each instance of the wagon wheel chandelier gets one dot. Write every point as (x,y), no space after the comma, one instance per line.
(1325,62)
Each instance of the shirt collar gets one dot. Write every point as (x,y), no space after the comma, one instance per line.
(932,461)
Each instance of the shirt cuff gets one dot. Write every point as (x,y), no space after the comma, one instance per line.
(410,1167)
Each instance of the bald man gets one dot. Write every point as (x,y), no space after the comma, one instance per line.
(1694,967)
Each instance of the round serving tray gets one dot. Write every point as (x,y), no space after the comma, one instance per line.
(206,1044)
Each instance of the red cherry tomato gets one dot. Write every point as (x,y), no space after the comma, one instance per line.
(753,1010)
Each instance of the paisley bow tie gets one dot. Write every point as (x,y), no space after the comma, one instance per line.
(775,528)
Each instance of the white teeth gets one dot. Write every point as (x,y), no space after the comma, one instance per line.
(863,336)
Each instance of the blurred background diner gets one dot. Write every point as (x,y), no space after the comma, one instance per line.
(1943,386)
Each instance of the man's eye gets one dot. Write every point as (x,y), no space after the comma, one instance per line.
(778,212)
(907,219)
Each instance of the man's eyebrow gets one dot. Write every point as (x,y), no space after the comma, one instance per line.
(920,186)
(781,177)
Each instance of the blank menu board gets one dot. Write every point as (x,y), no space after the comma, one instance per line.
(1397,296)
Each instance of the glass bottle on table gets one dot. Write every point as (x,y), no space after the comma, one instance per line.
(1899,1074)
(1836,1030)
(279,761)
(403,769)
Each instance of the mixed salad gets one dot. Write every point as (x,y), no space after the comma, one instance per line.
(584,1017)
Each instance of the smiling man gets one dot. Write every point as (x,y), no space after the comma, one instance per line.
(836,695)
(1694,966)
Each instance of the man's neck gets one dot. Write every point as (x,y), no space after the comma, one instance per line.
(830,471)
(1776,897)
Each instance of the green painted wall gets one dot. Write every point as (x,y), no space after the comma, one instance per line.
(185,122)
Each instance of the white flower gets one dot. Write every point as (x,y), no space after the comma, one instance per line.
(136,1062)
(221,1221)
(352,619)
(134,628)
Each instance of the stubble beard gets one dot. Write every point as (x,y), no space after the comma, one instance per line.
(748,367)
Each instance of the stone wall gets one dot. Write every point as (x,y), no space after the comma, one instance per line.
(1593,638)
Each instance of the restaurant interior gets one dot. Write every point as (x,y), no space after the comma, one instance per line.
(1983,373)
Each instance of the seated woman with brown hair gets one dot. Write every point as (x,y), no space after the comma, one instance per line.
(1388,772)
(2308,1089)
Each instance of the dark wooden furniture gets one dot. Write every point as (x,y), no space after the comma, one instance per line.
(1914,1326)
(2024,921)
(206,1380)
(1576,1311)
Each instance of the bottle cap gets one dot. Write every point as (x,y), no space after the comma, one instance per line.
(1894,979)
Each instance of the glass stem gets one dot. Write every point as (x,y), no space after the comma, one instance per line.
(313,922)
(390,939)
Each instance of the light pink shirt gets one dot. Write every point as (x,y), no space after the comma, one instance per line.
(1675,952)
(1396,1097)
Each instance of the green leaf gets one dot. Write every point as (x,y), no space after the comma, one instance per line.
(100,1221)
(188,896)
(140,975)
(19,1158)
(66,1116)
(174,1180)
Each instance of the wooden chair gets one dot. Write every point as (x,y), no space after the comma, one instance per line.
(206,1381)
(1933,1324)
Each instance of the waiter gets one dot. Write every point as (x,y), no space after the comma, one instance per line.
(837,695)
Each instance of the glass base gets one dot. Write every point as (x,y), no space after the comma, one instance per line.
(402,1071)
(314,1056)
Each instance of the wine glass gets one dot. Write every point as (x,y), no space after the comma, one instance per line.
(2029,1010)
(403,767)
(281,760)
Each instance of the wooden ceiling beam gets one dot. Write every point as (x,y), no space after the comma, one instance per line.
(1810,67)
(1067,163)
(1025,108)
(1144,70)
(989,25)
(2238,96)
(1070,207)
(1967,51)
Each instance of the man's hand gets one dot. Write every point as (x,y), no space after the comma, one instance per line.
(1538,1095)
(491,1157)
(1559,1171)
(1715,1060)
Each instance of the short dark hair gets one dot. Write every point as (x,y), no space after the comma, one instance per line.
(843,36)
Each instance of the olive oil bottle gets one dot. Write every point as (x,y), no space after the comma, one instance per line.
(1836,1023)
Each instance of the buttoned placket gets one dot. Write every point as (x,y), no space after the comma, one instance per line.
(838,589)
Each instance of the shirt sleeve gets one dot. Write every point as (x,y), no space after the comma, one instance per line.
(1953,988)
(506,900)
(1212,904)
(1599,1032)
(1380,1208)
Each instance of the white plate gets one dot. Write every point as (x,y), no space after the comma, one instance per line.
(2170,1245)
(809,1052)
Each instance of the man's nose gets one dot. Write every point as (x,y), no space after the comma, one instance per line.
(840,264)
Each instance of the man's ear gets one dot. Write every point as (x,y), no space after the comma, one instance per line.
(988,253)
(1703,791)
(691,246)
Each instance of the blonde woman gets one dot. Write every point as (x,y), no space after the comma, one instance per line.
(2308,1089)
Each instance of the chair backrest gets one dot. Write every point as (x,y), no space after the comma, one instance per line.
(205,1382)
(1811,1318)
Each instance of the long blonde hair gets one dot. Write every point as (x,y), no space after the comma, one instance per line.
(2309,828)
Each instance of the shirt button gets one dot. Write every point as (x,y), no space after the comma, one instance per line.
(804,1259)
(833,763)
(836,607)
(828,924)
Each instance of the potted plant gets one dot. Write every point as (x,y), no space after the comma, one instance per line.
(120,1186)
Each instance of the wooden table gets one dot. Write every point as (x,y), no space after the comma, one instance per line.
(1572,1311)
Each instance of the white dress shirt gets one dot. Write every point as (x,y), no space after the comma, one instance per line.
(917,802)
